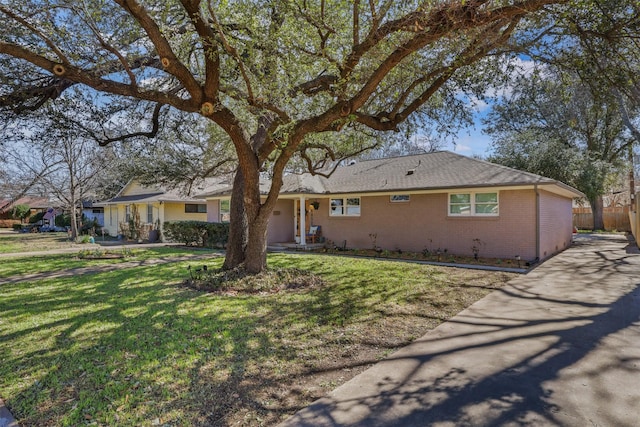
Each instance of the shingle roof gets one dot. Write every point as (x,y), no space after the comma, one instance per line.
(430,171)
(149,197)
(158,193)
(32,202)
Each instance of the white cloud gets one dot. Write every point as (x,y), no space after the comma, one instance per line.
(461,147)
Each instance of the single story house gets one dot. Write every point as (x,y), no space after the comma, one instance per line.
(153,205)
(35,204)
(440,200)
(92,212)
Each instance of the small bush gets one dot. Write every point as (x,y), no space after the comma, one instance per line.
(198,233)
(17,227)
(63,220)
(84,239)
(20,211)
(36,218)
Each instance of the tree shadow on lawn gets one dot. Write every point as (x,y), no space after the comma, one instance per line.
(128,347)
(117,349)
(472,376)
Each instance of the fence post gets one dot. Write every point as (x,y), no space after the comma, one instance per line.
(634,217)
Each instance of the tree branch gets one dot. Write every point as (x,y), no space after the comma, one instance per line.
(169,60)
(234,54)
(92,79)
(155,121)
(211,57)
(35,30)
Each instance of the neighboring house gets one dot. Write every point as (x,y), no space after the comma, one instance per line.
(92,212)
(36,205)
(154,204)
(431,201)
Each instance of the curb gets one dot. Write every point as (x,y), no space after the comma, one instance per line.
(6,418)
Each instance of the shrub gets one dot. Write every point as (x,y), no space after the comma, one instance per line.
(84,239)
(63,220)
(36,218)
(20,211)
(17,227)
(198,233)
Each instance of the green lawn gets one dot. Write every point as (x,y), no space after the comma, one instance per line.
(22,265)
(133,347)
(24,242)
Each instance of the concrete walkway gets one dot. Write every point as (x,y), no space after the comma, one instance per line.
(559,346)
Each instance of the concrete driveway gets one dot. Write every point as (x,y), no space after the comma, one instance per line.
(558,346)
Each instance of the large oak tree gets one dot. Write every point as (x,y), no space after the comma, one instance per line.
(274,75)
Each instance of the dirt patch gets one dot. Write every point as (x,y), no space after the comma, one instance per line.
(305,369)
(239,281)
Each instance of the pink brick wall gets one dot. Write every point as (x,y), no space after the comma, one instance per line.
(281,223)
(423,223)
(556,224)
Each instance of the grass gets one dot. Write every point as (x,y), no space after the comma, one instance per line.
(19,266)
(24,242)
(135,347)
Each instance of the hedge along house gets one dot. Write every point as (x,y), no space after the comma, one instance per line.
(432,201)
(153,205)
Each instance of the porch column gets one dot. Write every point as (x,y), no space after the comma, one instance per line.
(303,233)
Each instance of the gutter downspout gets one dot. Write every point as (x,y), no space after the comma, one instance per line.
(535,187)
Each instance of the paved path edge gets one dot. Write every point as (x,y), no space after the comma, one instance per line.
(6,418)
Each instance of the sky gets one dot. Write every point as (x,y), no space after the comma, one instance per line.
(471,142)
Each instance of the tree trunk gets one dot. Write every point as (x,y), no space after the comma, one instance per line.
(597,209)
(74,222)
(238,226)
(248,225)
(256,252)
(249,216)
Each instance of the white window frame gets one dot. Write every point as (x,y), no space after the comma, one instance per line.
(149,213)
(127,213)
(225,215)
(473,204)
(347,207)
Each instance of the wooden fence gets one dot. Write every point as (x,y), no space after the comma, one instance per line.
(615,218)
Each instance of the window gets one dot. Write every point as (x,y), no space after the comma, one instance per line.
(149,213)
(397,198)
(195,208)
(486,203)
(345,207)
(225,210)
(127,213)
(466,204)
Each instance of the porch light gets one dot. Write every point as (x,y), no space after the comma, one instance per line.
(315,205)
